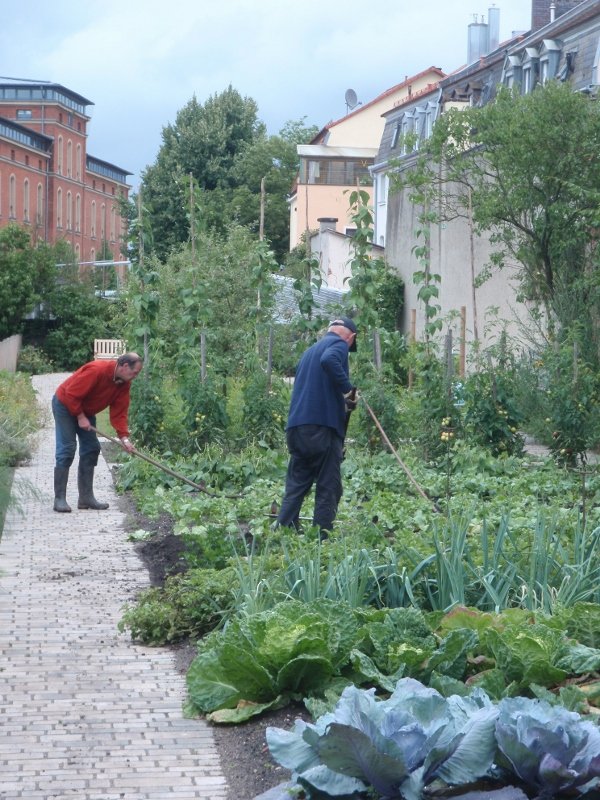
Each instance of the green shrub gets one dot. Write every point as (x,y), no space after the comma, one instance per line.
(265,408)
(18,417)
(205,412)
(492,416)
(189,605)
(34,361)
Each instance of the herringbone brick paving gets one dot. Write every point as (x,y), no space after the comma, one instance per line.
(84,713)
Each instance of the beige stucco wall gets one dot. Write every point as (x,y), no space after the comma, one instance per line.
(495,299)
(334,254)
(315,201)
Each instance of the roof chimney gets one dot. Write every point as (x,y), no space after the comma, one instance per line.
(494,28)
(478,42)
(327,224)
(543,12)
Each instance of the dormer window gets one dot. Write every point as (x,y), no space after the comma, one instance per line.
(530,64)
(396,135)
(512,73)
(549,59)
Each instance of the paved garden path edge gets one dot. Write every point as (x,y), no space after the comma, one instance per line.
(84,712)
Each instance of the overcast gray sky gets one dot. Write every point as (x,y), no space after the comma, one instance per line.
(140,61)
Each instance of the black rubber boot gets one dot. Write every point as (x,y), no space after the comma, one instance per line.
(85,484)
(61,477)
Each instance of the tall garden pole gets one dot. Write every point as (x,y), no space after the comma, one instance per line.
(141,263)
(377,349)
(473,281)
(413,336)
(463,341)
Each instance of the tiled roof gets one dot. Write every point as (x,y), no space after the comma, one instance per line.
(327,300)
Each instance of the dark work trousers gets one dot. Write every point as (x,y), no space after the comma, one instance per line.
(316,454)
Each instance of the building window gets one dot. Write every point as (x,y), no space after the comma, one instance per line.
(13,156)
(59,156)
(12,197)
(93,254)
(59,210)
(78,163)
(93,220)
(39,214)
(103,222)
(113,227)
(69,159)
(78,213)
(23,113)
(77,251)
(333,171)
(396,135)
(69,211)
(26,200)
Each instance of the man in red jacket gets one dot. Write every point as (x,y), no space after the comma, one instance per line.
(92,388)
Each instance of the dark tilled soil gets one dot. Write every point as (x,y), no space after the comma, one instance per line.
(245,758)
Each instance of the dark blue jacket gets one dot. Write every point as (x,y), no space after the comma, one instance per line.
(322,380)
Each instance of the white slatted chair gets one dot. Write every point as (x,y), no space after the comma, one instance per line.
(108,348)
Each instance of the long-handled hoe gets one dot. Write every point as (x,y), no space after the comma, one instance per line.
(198,486)
(409,474)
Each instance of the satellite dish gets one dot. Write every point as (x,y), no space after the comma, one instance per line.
(351,99)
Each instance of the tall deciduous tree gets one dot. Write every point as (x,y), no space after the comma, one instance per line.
(226,150)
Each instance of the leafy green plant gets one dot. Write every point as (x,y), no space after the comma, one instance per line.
(206,419)
(34,361)
(147,413)
(266,658)
(188,605)
(572,397)
(19,418)
(492,418)
(265,409)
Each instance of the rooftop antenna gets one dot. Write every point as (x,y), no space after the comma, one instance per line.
(351,100)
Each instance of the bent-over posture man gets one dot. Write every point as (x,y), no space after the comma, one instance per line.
(316,426)
(92,388)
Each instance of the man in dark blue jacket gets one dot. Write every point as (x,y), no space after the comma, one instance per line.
(316,427)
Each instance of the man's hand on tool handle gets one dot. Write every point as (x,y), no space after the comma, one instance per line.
(351,399)
(126,442)
(84,422)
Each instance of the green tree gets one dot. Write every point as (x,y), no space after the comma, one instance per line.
(527,168)
(274,159)
(26,275)
(223,149)
(203,142)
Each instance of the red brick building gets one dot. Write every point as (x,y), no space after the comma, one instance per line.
(48,181)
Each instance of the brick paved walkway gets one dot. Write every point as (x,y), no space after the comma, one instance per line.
(84,713)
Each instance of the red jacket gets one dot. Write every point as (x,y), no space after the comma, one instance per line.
(92,388)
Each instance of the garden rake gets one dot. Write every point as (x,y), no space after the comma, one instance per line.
(198,486)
